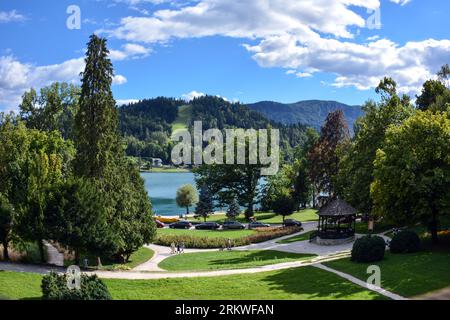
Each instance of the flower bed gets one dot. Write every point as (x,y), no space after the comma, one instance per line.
(193,242)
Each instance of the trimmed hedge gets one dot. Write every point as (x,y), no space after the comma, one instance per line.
(405,242)
(54,287)
(368,249)
(193,242)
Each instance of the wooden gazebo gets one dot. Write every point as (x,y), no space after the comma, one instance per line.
(337,222)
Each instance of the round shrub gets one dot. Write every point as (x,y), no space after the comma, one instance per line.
(405,242)
(54,287)
(368,249)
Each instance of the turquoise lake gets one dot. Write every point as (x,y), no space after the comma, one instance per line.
(162,189)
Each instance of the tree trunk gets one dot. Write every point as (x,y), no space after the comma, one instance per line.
(187,212)
(314,197)
(434,225)
(42,251)
(5,251)
(99,262)
(249,212)
(77,257)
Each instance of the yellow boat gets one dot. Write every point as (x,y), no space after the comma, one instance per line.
(167,219)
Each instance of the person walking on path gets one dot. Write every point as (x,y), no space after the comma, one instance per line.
(172,248)
(178,248)
(182,247)
(229,244)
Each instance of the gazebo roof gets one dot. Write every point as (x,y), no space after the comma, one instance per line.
(337,208)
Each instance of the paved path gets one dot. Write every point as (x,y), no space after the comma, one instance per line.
(136,275)
(361,283)
(54,257)
(162,253)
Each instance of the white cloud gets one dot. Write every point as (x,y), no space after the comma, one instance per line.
(17,77)
(188,97)
(302,36)
(246,19)
(119,80)
(121,102)
(130,51)
(358,65)
(11,16)
(401,2)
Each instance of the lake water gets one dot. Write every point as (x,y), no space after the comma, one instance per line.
(162,189)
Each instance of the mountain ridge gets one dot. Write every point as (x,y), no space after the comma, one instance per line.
(309,112)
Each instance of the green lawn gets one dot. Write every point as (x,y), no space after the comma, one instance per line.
(293,284)
(18,285)
(225,260)
(379,227)
(269,217)
(139,257)
(184,114)
(300,237)
(405,274)
(226,234)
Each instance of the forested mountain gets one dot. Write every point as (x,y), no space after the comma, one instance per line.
(311,112)
(148,124)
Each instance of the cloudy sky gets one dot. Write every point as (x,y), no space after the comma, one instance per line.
(246,50)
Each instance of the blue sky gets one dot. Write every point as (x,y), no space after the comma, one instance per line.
(247,50)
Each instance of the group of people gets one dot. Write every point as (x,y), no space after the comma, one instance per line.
(177,248)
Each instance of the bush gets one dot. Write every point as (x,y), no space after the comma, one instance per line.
(368,249)
(193,242)
(54,287)
(405,242)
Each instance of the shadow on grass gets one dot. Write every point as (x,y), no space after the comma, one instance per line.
(317,284)
(260,256)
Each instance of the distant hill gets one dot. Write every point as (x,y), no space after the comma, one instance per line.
(147,125)
(312,112)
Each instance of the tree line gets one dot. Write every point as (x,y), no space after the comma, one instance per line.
(64,173)
(396,166)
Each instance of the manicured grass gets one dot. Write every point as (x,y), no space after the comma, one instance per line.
(269,217)
(226,260)
(184,114)
(226,234)
(405,274)
(300,237)
(379,227)
(293,284)
(139,257)
(18,285)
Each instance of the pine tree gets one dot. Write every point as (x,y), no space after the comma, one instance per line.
(233,209)
(96,123)
(205,205)
(101,156)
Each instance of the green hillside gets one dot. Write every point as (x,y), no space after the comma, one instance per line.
(183,118)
